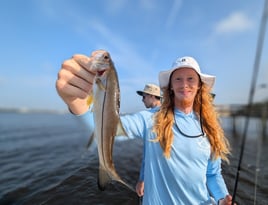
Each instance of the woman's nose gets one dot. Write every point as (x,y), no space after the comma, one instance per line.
(184,84)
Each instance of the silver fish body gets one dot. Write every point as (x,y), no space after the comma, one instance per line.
(106,103)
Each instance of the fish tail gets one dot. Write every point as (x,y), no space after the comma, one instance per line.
(103,179)
(127,185)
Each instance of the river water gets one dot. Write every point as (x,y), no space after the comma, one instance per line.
(44,160)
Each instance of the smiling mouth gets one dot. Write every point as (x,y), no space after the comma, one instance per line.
(184,92)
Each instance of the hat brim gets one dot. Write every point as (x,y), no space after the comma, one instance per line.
(164,76)
(140,92)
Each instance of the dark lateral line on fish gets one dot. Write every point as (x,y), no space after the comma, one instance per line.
(102,117)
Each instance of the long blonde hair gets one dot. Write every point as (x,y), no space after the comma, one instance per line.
(203,104)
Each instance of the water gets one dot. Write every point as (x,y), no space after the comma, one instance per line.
(44,160)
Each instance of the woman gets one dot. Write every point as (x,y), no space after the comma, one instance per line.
(184,143)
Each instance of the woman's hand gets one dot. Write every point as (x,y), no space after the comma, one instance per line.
(226,201)
(74,83)
(140,188)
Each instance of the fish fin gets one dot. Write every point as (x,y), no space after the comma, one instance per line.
(90,99)
(120,130)
(103,179)
(118,179)
(127,185)
(99,83)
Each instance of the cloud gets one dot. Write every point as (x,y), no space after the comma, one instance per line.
(173,13)
(235,22)
(123,51)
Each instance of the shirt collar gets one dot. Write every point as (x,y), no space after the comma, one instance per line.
(182,114)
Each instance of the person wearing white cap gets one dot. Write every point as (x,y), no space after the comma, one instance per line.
(183,140)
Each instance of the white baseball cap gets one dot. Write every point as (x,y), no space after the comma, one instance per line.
(185,62)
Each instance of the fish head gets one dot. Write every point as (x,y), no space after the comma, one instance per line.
(101,62)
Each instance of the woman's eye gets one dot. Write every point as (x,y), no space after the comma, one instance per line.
(190,78)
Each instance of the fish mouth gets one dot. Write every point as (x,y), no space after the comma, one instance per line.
(100,72)
(100,67)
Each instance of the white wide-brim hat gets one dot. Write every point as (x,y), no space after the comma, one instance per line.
(151,89)
(185,62)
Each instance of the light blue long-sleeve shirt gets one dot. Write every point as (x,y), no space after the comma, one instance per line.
(189,176)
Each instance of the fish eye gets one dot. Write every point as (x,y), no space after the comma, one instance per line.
(106,57)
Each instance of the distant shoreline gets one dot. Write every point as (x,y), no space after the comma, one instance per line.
(28,110)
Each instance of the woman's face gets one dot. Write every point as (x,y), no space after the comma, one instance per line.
(185,83)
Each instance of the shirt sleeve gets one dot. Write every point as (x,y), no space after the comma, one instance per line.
(88,120)
(215,181)
(141,177)
(131,123)
(135,125)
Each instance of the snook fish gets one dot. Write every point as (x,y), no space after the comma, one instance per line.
(106,103)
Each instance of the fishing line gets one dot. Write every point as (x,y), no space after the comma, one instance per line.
(252,91)
(259,150)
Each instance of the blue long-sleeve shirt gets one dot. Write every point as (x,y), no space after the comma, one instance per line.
(189,176)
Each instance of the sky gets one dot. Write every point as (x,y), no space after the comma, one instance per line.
(143,37)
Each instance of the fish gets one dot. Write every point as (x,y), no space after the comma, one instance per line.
(106,107)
